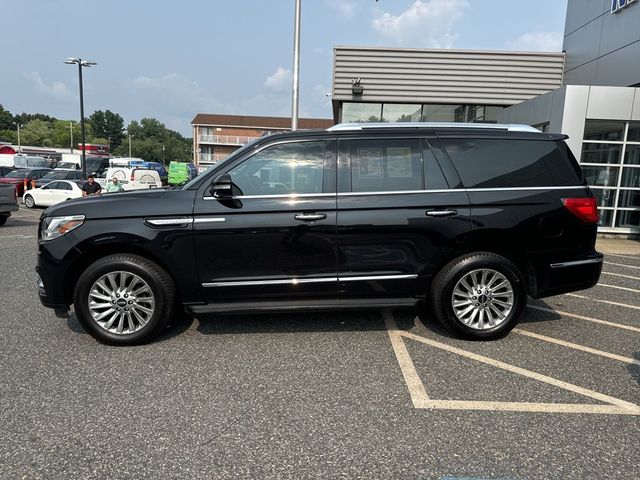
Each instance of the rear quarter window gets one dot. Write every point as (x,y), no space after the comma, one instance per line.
(495,163)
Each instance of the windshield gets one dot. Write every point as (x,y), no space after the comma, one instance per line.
(238,152)
(18,174)
(55,175)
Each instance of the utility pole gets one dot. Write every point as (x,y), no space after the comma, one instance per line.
(71,141)
(130,144)
(17,124)
(296,69)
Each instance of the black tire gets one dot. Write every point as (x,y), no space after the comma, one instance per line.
(442,287)
(29,202)
(159,282)
(3,219)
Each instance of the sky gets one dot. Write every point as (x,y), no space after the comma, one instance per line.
(172,59)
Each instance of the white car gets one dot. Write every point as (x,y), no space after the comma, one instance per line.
(52,193)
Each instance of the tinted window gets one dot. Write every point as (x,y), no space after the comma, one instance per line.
(56,175)
(385,165)
(39,174)
(282,169)
(486,163)
(433,176)
(65,186)
(51,186)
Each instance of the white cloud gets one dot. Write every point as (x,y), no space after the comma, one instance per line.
(538,42)
(427,23)
(56,90)
(174,98)
(280,80)
(346,8)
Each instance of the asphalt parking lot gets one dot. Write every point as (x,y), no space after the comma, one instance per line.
(367,395)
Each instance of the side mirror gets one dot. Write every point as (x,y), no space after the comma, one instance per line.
(221,186)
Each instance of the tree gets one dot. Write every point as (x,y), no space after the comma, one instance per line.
(6,119)
(37,133)
(107,125)
(24,118)
(149,136)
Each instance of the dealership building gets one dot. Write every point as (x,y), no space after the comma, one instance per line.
(590,91)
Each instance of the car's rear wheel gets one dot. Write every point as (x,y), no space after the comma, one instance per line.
(29,201)
(124,299)
(479,296)
(3,219)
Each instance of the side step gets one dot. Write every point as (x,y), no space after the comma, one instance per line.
(302,305)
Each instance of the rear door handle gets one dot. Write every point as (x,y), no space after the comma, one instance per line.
(310,217)
(441,213)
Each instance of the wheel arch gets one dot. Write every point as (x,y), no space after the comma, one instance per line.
(96,252)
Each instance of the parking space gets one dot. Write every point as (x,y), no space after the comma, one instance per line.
(335,395)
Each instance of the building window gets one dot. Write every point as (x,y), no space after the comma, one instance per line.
(397,112)
(611,164)
(361,112)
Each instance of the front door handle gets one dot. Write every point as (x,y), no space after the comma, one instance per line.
(441,213)
(310,217)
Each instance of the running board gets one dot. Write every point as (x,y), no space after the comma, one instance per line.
(302,305)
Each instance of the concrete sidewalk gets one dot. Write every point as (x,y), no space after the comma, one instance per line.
(618,246)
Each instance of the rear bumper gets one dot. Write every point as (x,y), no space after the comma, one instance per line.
(7,208)
(557,277)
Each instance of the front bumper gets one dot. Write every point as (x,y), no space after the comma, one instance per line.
(61,311)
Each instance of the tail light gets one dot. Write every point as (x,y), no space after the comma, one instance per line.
(585,208)
(132,175)
(15,193)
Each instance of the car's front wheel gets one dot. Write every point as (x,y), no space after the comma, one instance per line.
(124,299)
(29,201)
(479,296)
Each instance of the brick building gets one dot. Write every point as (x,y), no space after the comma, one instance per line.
(217,136)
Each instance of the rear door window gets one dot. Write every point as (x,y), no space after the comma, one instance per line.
(496,163)
(386,165)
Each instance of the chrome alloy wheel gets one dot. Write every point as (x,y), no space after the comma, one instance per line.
(482,299)
(121,302)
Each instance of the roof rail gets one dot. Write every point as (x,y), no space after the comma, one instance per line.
(342,127)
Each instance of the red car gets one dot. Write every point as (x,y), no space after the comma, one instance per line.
(17,177)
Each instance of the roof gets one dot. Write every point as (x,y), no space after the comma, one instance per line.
(276,123)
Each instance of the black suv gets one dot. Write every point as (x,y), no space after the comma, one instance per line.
(469,218)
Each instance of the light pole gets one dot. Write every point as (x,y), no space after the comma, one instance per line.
(81,63)
(17,124)
(71,141)
(130,136)
(296,69)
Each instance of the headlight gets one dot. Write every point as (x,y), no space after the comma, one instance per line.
(54,227)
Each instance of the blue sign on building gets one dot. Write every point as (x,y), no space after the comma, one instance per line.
(617,5)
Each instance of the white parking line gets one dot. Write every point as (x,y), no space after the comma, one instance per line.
(620,275)
(623,256)
(619,288)
(588,319)
(16,236)
(614,406)
(621,265)
(411,378)
(608,302)
(576,346)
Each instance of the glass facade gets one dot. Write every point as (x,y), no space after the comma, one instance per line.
(611,164)
(357,112)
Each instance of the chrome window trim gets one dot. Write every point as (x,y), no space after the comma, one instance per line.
(291,196)
(576,263)
(297,281)
(408,192)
